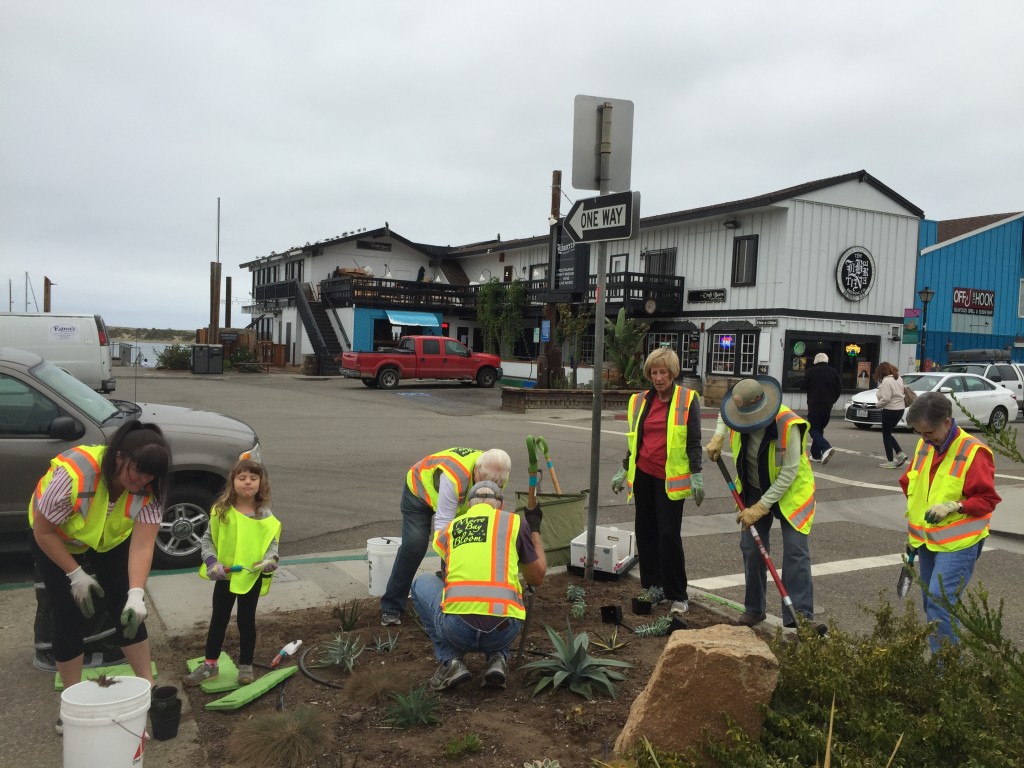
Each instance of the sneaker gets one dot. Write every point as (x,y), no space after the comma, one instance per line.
(449,674)
(497,671)
(748,619)
(203,672)
(390,619)
(44,661)
(827,455)
(888,465)
(679,607)
(814,460)
(901,459)
(60,727)
(245,674)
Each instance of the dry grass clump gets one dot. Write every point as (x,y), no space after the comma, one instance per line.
(373,684)
(280,739)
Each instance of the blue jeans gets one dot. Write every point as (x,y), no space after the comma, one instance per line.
(416,530)
(796,570)
(818,421)
(955,570)
(450,634)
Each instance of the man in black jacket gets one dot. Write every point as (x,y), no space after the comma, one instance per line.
(823,387)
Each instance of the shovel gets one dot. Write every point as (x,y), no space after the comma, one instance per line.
(906,573)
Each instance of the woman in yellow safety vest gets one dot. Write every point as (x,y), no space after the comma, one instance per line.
(661,470)
(107,500)
(951,493)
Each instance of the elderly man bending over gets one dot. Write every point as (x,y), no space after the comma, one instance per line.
(478,606)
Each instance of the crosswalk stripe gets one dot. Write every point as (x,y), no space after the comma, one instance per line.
(821,569)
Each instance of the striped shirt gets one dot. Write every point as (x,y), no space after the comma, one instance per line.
(55,504)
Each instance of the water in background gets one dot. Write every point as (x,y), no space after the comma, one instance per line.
(136,353)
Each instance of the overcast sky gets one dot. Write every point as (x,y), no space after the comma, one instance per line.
(121,123)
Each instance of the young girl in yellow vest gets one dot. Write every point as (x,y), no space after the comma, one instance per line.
(242,532)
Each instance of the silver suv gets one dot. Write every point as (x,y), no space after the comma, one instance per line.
(44,411)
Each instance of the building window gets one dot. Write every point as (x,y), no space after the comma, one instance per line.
(747,347)
(733,353)
(744,260)
(1020,300)
(538,273)
(655,340)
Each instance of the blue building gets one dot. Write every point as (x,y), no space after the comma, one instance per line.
(975,266)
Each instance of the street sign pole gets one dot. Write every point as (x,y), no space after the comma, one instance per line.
(595,420)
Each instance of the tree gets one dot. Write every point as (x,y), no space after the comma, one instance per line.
(571,328)
(624,344)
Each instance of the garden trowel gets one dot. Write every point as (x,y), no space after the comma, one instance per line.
(906,573)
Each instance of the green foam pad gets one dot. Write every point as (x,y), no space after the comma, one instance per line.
(91,674)
(226,680)
(254,690)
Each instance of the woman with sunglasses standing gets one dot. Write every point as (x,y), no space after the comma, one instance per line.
(107,501)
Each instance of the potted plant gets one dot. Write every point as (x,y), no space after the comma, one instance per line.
(624,344)
(641,604)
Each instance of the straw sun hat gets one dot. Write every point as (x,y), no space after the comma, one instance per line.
(752,404)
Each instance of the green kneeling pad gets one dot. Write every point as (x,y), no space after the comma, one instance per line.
(227,675)
(254,690)
(124,670)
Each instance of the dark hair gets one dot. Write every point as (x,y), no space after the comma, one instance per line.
(932,408)
(144,446)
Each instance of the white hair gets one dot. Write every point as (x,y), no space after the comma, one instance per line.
(494,465)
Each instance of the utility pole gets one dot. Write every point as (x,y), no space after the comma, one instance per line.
(550,358)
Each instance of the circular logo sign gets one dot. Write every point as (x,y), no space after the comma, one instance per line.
(855,273)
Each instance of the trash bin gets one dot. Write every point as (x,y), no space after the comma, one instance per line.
(200,358)
(310,365)
(215,360)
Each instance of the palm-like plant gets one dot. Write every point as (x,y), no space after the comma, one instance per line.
(571,663)
(624,342)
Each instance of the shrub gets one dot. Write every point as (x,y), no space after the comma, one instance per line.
(176,357)
(244,360)
(279,739)
(417,708)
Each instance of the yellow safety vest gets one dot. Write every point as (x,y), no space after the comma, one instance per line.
(91,525)
(797,504)
(242,540)
(677,464)
(956,531)
(424,477)
(483,563)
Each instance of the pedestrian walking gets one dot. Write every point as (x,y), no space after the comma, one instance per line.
(240,554)
(823,386)
(951,494)
(890,398)
(662,469)
(774,478)
(439,484)
(476,604)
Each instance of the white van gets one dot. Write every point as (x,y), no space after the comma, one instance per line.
(79,344)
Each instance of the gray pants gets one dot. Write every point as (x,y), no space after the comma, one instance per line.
(796,570)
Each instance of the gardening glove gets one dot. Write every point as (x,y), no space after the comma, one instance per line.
(714,447)
(697,482)
(751,515)
(533,516)
(940,512)
(134,612)
(215,571)
(619,481)
(82,587)
(267,565)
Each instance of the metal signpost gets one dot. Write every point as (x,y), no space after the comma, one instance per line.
(594,134)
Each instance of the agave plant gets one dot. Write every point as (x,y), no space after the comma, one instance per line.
(415,709)
(381,645)
(348,615)
(571,663)
(610,643)
(578,610)
(342,651)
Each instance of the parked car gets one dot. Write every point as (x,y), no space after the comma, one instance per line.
(988,402)
(1006,375)
(421,357)
(80,344)
(44,411)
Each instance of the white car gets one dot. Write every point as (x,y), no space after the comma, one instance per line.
(987,402)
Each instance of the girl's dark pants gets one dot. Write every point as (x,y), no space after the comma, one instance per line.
(223,602)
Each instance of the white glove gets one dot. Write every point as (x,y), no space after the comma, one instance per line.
(266,566)
(940,512)
(82,587)
(134,612)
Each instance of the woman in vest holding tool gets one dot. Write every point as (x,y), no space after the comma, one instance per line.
(107,500)
(661,470)
(951,493)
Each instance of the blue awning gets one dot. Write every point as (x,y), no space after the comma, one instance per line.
(425,319)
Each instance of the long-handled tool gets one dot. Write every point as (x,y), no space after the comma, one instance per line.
(543,445)
(786,601)
(906,573)
(531,502)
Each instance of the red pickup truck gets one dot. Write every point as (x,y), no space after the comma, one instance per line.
(421,357)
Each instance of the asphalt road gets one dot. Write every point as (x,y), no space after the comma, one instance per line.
(337,453)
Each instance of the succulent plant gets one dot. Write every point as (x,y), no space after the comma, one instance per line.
(415,709)
(656,628)
(578,610)
(342,651)
(571,663)
(574,593)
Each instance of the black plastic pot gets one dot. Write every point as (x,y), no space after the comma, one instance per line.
(164,729)
(641,607)
(165,703)
(611,614)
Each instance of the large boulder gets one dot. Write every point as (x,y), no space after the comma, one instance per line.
(701,677)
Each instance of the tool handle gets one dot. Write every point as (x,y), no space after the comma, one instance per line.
(235,569)
(543,445)
(531,449)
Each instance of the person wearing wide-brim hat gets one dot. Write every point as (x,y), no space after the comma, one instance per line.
(774,478)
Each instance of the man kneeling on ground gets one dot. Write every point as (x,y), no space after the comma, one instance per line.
(478,606)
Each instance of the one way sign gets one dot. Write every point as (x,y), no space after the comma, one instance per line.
(609,217)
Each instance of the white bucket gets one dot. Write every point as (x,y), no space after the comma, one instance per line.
(105,725)
(380,559)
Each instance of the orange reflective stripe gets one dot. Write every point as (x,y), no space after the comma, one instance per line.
(678,483)
(920,455)
(681,413)
(784,421)
(799,516)
(961,529)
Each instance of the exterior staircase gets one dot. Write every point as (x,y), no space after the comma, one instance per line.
(332,346)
